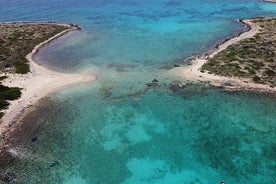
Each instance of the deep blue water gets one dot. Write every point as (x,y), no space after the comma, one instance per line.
(116,130)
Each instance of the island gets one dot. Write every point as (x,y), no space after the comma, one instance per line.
(23,81)
(244,62)
(272,1)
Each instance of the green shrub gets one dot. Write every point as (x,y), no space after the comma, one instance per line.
(7,93)
(4,104)
(258,37)
(256,79)
(3,78)
(270,72)
(22,68)
(1,114)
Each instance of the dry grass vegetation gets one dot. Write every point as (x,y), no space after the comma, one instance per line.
(253,58)
(18,39)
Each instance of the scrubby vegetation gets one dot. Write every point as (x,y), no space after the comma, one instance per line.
(18,39)
(253,58)
(7,93)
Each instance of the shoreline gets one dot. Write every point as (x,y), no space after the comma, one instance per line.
(39,82)
(193,73)
(270,1)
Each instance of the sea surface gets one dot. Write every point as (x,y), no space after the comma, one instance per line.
(117,130)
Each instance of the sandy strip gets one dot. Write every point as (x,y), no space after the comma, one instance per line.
(272,1)
(192,72)
(37,84)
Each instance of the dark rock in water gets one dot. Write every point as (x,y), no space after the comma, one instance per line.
(54,164)
(177,87)
(34,139)
(75,25)
(9,176)
(2,136)
(177,84)
(228,84)
(153,84)
(176,65)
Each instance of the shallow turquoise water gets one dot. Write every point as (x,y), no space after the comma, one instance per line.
(116,130)
(196,135)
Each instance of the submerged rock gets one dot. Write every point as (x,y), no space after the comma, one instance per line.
(177,84)
(34,139)
(2,136)
(9,176)
(106,91)
(54,164)
(175,88)
(154,83)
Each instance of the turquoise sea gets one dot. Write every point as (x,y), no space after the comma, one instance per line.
(117,130)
